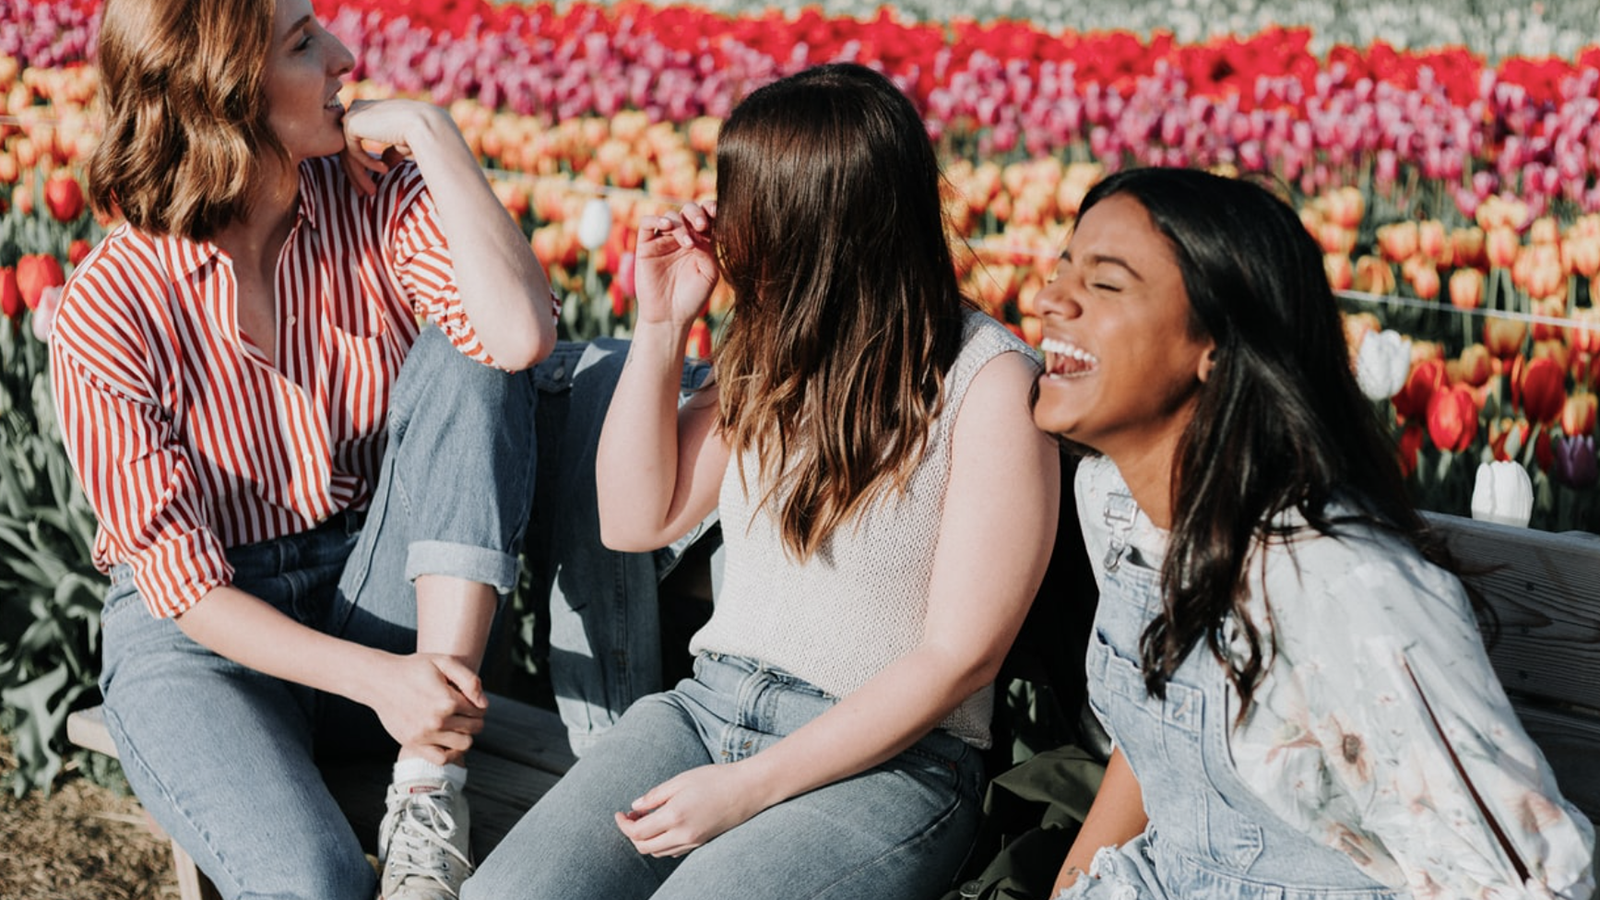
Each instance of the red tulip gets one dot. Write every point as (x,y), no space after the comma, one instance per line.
(1453,418)
(1540,389)
(699,344)
(1410,446)
(35,272)
(63,196)
(1426,378)
(10,294)
(76,251)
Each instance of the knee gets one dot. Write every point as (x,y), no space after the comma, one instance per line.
(313,876)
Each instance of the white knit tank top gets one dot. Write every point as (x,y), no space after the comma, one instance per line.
(859,603)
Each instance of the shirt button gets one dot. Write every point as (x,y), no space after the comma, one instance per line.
(291,319)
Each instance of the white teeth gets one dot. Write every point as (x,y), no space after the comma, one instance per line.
(1058,347)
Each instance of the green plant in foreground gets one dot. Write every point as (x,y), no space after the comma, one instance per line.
(50,593)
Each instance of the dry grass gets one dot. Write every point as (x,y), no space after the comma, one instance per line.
(83,842)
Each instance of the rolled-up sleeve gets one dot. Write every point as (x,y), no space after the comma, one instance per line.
(137,479)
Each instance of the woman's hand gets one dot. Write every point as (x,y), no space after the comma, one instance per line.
(675,265)
(690,809)
(389,126)
(430,703)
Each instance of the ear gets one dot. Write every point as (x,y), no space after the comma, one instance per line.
(1208,361)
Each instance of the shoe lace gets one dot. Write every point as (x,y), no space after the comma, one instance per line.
(418,845)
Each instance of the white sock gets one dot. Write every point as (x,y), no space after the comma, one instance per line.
(416,767)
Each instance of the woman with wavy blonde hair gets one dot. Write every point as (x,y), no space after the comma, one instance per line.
(308,509)
(887,512)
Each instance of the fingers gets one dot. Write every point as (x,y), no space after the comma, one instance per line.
(652,835)
(464,679)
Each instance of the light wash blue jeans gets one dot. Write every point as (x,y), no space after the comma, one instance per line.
(899,830)
(1209,835)
(605,632)
(225,757)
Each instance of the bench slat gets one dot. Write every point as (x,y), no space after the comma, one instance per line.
(1571,744)
(1545,588)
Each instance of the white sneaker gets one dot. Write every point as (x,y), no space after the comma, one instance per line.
(423,842)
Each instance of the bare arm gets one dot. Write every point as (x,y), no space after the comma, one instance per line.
(1116,817)
(504,291)
(995,537)
(658,469)
(432,702)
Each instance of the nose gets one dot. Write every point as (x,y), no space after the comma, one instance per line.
(340,60)
(1058,298)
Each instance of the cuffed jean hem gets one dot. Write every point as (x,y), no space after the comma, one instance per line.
(462,561)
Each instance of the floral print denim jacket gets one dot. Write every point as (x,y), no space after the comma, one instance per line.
(1379,717)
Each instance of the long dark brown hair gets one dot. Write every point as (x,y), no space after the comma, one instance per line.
(847,313)
(181,83)
(1279,424)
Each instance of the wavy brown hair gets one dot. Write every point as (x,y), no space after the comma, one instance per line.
(181,84)
(847,315)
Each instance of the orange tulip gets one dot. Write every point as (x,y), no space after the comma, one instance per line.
(1500,247)
(1466,289)
(1476,365)
(1432,241)
(1466,247)
(1032,330)
(1578,415)
(1345,206)
(1580,255)
(1374,276)
(1544,230)
(1335,238)
(1504,337)
(1424,278)
(1452,418)
(1398,241)
(1340,273)
(1584,335)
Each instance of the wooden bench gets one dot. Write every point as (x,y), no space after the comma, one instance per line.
(1544,588)
(520,754)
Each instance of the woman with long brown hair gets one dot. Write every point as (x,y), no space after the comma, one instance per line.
(308,510)
(1289,669)
(887,514)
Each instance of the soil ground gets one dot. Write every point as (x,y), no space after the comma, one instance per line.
(83,842)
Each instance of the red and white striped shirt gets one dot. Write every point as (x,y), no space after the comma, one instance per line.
(185,438)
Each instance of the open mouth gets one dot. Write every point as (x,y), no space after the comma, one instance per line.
(1066,360)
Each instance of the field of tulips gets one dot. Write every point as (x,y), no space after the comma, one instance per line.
(1457,200)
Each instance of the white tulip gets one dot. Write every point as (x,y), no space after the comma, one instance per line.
(1382,364)
(594,227)
(1503,493)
